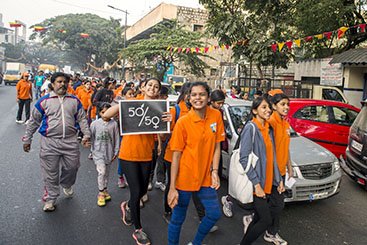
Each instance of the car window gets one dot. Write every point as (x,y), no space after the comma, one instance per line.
(239,115)
(361,120)
(343,116)
(314,113)
(331,94)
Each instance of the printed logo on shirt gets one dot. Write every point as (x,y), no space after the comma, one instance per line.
(213,126)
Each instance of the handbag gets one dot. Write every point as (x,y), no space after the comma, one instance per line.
(239,185)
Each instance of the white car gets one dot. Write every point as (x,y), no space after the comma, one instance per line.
(317,171)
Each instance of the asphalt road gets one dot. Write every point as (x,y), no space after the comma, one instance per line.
(341,219)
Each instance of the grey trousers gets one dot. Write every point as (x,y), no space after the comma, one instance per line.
(58,155)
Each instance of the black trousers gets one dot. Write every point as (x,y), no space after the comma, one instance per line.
(27,104)
(167,166)
(137,175)
(267,214)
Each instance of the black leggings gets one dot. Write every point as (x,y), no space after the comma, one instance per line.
(167,208)
(267,212)
(137,175)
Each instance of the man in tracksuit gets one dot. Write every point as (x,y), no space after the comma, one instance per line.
(57,115)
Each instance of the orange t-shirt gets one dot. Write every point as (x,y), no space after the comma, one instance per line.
(269,174)
(70,90)
(196,138)
(282,139)
(183,111)
(77,90)
(24,90)
(140,97)
(117,91)
(85,97)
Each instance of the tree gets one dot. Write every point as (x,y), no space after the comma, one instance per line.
(261,23)
(154,51)
(101,44)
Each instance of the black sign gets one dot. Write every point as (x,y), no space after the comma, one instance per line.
(143,117)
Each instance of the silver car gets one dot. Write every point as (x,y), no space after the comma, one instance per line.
(316,170)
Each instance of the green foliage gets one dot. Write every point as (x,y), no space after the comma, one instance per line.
(268,21)
(153,51)
(102,45)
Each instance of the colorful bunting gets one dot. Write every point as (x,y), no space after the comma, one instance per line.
(168,48)
(274,47)
(84,35)
(298,42)
(362,27)
(342,31)
(280,46)
(289,44)
(15,24)
(328,34)
(319,36)
(309,38)
(39,28)
(187,50)
(179,50)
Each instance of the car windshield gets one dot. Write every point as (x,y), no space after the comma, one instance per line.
(240,114)
(12,72)
(361,120)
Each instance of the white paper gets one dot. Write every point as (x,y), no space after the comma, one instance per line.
(289,182)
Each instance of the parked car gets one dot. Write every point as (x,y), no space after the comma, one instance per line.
(317,170)
(355,161)
(323,121)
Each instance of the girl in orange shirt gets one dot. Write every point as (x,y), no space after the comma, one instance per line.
(265,176)
(196,151)
(136,156)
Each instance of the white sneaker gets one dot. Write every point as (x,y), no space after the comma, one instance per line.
(49,206)
(69,192)
(160,185)
(26,122)
(145,198)
(247,219)
(150,186)
(19,121)
(227,206)
(276,239)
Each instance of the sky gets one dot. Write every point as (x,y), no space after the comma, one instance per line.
(35,11)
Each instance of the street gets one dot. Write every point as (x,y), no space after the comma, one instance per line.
(341,219)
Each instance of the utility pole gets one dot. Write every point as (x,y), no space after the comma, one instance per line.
(126,13)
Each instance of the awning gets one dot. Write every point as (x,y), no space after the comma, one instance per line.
(351,57)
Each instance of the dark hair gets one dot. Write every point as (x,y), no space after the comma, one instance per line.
(259,92)
(183,92)
(60,74)
(164,91)
(256,103)
(155,79)
(104,105)
(142,82)
(277,98)
(217,95)
(98,85)
(106,82)
(237,88)
(125,90)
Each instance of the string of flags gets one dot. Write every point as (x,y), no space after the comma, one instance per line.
(205,49)
(280,46)
(42,29)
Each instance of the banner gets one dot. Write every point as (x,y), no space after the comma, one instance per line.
(143,117)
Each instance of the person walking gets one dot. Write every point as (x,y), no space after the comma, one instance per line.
(265,176)
(24,98)
(57,115)
(195,158)
(136,156)
(38,82)
(105,94)
(105,140)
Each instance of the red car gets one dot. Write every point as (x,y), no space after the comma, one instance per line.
(323,121)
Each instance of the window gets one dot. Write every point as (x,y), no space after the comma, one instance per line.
(314,113)
(332,94)
(239,115)
(343,116)
(197,27)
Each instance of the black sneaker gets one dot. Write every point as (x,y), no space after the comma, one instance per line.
(167,217)
(141,238)
(126,214)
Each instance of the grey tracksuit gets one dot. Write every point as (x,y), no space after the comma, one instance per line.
(58,120)
(105,145)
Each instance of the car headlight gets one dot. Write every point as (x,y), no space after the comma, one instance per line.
(336,165)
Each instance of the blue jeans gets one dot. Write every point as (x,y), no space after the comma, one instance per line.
(38,91)
(209,199)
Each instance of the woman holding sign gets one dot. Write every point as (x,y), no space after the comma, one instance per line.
(136,156)
(196,151)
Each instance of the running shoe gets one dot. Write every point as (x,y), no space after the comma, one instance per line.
(107,195)
(141,237)
(49,206)
(227,206)
(101,201)
(69,192)
(121,182)
(276,239)
(126,214)
(160,185)
(19,121)
(247,219)
(150,186)
(145,198)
